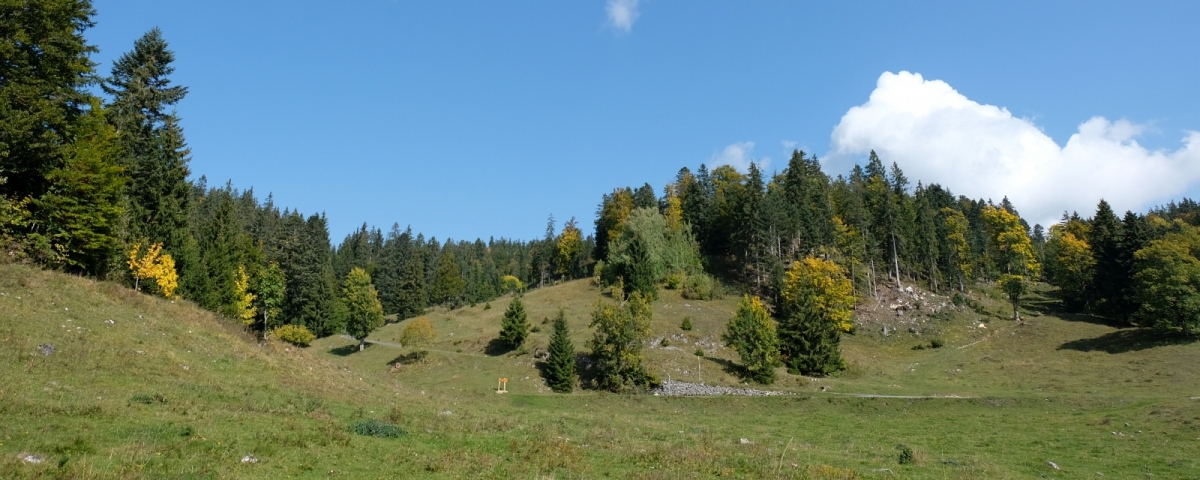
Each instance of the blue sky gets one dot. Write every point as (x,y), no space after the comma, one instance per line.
(477,119)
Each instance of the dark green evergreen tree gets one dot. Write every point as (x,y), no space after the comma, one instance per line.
(1105,236)
(514,326)
(560,365)
(45,74)
(810,344)
(157,154)
(448,284)
(644,197)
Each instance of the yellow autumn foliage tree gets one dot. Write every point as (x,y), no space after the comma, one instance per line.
(153,265)
(244,300)
(1012,251)
(823,288)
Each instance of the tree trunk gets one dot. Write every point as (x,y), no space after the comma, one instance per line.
(1016,312)
(896,260)
(362,342)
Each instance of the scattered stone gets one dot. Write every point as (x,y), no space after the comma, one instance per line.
(249,459)
(1053,465)
(745,441)
(46,348)
(31,458)
(447,412)
(110,322)
(982,326)
(687,389)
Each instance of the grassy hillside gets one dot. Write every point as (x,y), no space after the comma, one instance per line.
(167,390)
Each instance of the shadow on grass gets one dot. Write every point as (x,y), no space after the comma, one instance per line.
(497,347)
(730,367)
(345,350)
(1129,340)
(410,358)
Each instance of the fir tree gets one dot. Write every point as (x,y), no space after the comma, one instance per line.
(448,283)
(514,326)
(411,297)
(157,155)
(44,79)
(1105,238)
(560,365)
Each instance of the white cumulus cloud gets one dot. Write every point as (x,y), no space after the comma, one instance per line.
(622,14)
(739,156)
(937,135)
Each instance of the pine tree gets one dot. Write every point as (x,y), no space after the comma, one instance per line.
(142,111)
(44,79)
(560,365)
(448,283)
(1105,239)
(1135,236)
(364,313)
(514,326)
(411,297)
(751,333)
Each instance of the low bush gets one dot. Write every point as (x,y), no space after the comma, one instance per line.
(674,281)
(294,334)
(376,428)
(686,325)
(937,343)
(699,287)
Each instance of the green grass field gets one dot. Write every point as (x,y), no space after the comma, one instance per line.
(167,390)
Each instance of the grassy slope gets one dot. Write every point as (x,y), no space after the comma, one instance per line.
(1051,390)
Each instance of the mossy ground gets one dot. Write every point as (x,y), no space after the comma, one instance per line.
(168,390)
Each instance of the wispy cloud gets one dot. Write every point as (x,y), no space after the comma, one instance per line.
(622,14)
(739,156)
(940,136)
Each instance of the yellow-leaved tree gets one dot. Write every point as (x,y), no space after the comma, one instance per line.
(1012,252)
(956,238)
(244,300)
(818,307)
(154,265)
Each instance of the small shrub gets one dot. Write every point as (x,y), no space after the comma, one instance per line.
(957,299)
(664,343)
(535,329)
(699,352)
(147,399)
(418,332)
(919,346)
(699,287)
(686,325)
(294,334)
(906,454)
(674,281)
(937,343)
(487,306)
(376,428)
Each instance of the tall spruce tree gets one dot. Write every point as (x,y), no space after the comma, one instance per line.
(514,326)
(44,79)
(156,152)
(560,365)
(1105,237)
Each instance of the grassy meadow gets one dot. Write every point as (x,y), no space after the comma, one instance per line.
(168,390)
